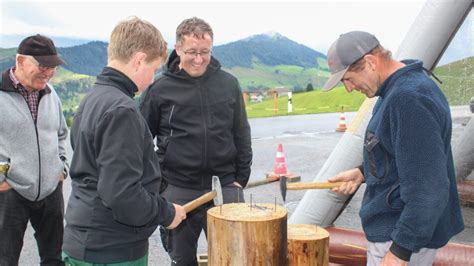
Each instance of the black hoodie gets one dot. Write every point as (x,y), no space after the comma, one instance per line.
(201,126)
(115,203)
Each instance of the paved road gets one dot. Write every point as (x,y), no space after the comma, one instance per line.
(308,141)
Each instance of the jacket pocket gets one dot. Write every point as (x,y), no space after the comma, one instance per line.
(376,159)
(166,155)
(393,200)
(162,146)
(222,114)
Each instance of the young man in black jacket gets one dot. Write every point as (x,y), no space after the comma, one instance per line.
(196,111)
(115,203)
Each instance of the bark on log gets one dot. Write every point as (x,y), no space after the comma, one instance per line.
(242,235)
(307,245)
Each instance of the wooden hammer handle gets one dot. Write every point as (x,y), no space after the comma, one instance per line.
(313,185)
(200,201)
(262,181)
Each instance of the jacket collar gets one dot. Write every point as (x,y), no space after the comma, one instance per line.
(410,65)
(112,77)
(6,84)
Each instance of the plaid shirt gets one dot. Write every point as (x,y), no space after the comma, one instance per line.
(31,98)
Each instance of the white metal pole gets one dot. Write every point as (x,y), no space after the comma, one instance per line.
(290,104)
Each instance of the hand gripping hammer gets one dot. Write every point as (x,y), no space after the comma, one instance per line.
(300,186)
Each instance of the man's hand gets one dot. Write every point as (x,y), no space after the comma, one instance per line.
(61,177)
(4,186)
(391,259)
(353,179)
(180,215)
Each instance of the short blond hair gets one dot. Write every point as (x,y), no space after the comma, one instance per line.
(136,35)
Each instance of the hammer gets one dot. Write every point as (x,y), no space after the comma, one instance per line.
(309,185)
(215,194)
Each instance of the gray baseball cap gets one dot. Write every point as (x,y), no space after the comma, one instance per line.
(345,51)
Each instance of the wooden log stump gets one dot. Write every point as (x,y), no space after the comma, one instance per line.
(307,245)
(239,234)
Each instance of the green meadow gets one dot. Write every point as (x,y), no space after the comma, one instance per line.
(308,103)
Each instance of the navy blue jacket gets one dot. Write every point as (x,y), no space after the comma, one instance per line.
(411,196)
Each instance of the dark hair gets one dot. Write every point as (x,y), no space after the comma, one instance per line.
(195,26)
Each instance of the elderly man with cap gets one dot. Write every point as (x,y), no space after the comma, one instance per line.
(411,206)
(32,153)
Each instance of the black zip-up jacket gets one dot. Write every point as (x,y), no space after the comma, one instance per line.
(115,203)
(201,126)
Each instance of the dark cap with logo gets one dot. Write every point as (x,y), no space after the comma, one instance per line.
(42,49)
(345,51)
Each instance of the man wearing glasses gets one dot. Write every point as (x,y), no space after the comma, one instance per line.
(197,114)
(32,153)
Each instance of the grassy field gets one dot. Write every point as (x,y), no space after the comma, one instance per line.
(281,75)
(457,78)
(458,81)
(63,75)
(308,103)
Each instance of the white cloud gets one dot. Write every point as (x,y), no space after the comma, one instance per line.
(313,23)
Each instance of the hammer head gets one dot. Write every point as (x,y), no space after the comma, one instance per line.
(283,187)
(216,186)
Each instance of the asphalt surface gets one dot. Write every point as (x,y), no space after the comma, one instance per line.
(307,140)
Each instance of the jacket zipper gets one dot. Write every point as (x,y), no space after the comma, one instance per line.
(204,125)
(37,144)
(39,158)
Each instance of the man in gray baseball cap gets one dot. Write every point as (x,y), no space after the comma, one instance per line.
(410,207)
(349,48)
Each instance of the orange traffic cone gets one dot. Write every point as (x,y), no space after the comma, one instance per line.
(280,164)
(280,168)
(342,122)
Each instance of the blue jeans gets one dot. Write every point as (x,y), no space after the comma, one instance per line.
(46,217)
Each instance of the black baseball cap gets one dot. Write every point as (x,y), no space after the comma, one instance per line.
(42,49)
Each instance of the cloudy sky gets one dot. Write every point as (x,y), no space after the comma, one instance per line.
(315,23)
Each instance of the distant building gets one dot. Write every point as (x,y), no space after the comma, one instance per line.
(279,90)
(254,96)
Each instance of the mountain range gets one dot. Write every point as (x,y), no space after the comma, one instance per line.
(260,61)
(13,40)
(268,49)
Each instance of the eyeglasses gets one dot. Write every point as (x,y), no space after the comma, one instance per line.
(41,67)
(192,53)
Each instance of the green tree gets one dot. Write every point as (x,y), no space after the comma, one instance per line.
(297,89)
